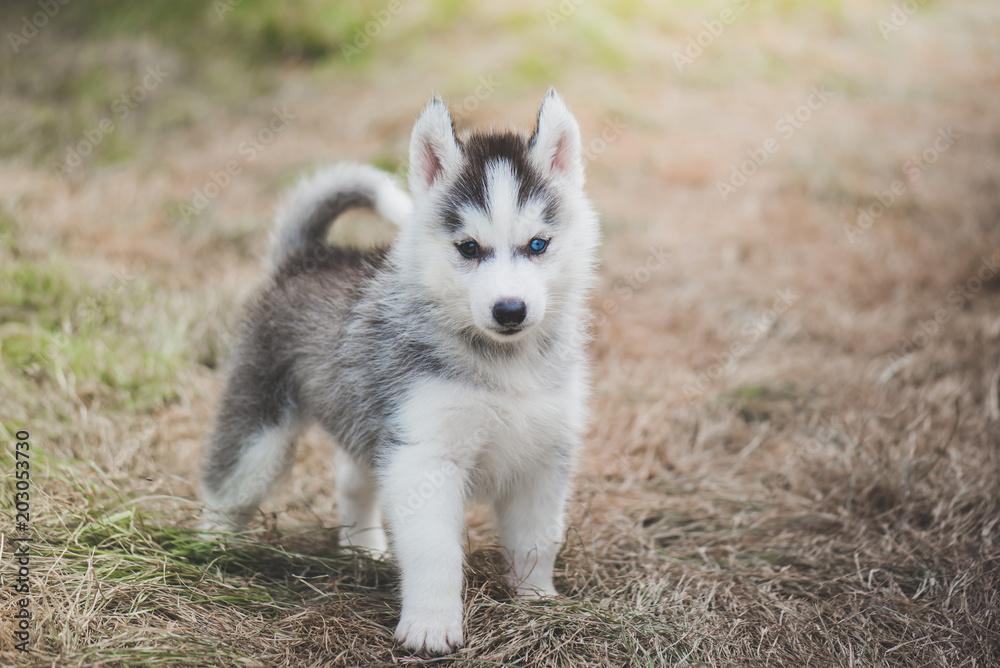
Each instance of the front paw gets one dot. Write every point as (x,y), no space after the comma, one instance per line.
(528,592)
(532,588)
(431,631)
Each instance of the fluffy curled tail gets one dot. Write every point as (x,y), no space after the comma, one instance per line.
(312,205)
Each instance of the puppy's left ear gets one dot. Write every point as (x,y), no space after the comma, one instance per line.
(556,148)
(434,150)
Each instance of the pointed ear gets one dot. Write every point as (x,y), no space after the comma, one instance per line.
(556,148)
(434,151)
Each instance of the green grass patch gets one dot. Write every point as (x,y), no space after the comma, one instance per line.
(94,105)
(759,402)
(55,327)
(255,29)
(135,585)
(122,341)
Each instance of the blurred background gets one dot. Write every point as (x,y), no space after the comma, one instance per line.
(796,344)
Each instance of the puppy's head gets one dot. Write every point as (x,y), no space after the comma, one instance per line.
(502,227)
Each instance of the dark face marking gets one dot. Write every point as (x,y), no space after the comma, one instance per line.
(550,214)
(482,151)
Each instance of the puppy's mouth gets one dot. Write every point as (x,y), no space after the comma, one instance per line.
(508,332)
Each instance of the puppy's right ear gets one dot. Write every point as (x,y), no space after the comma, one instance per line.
(556,147)
(434,150)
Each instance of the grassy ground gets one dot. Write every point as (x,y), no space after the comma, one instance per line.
(795,451)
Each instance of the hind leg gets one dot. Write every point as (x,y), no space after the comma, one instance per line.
(245,457)
(360,514)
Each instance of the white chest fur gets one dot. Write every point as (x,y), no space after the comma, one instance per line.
(492,435)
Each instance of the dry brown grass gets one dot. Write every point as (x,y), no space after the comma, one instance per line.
(810,506)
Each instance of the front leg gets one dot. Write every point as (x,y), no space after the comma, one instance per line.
(530,520)
(424,495)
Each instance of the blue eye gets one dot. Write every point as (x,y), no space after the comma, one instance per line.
(469,249)
(538,245)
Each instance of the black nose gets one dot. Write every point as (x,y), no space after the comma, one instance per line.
(509,312)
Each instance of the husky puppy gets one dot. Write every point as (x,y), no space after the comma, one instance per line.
(450,367)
